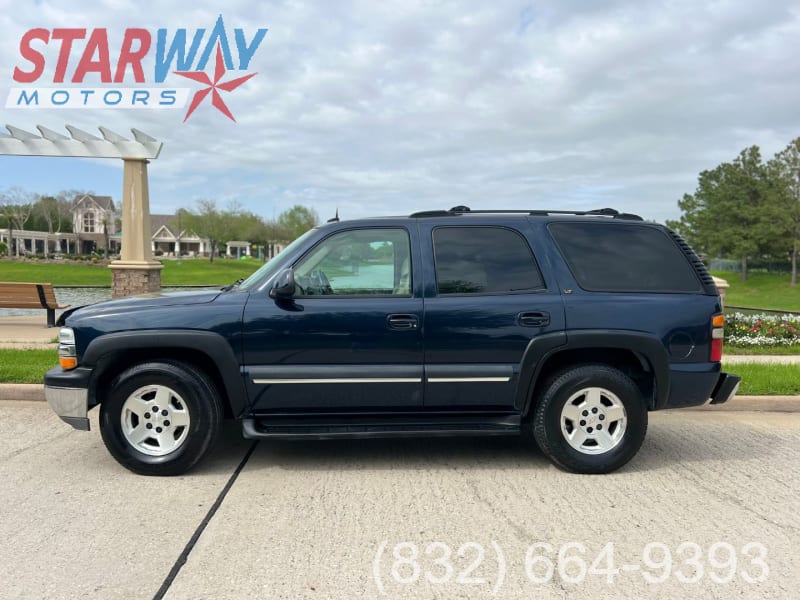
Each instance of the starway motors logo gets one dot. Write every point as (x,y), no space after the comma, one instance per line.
(175,53)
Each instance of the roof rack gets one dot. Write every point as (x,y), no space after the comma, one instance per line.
(460,210)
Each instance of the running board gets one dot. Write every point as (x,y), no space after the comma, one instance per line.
(379,426)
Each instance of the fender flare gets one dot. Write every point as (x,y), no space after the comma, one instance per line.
(647,348)
(213,345)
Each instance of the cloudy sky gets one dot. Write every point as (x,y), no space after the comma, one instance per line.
(391,106)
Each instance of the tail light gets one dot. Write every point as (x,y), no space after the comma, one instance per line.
(717,333)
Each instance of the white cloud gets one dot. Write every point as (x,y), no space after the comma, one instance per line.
(388,107)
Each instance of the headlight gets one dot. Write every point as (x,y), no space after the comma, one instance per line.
(66,336)
(67,355)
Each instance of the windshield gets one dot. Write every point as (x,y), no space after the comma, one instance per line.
(271,265)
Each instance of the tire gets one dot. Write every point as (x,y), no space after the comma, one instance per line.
(171,439)
(590,419)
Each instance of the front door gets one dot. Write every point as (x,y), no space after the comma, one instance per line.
(350,338)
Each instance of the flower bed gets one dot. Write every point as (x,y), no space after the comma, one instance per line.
(762,330)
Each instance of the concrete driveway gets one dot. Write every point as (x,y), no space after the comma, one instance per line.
(712,491)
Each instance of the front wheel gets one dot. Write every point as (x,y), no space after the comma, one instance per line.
(590,419)
(160,418)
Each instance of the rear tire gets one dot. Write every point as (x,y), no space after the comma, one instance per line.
(160,418)
(590,419)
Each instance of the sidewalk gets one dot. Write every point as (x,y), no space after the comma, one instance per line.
(30,331)
(778,359)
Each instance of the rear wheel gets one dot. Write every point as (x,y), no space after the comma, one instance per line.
(590,419)
(160,418)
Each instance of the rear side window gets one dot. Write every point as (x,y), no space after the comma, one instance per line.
(611,257)
(483,260)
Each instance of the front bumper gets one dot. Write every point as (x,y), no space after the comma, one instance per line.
(67,394)
(71,404)
(726,388)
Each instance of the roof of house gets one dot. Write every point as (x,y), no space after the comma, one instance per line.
(159,221)
(104,202)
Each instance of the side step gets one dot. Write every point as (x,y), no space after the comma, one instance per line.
(323,427)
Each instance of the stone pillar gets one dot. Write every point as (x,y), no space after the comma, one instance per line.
(722,287)
(136,272)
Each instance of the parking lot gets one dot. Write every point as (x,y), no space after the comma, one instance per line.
(443,518)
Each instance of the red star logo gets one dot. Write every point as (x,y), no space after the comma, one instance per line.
(213,87)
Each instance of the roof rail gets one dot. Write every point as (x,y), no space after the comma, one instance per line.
(460,210)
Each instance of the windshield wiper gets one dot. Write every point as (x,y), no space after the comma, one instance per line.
(233,285)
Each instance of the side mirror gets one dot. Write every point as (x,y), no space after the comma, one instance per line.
(284,286)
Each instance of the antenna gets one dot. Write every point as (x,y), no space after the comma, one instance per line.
(336,218)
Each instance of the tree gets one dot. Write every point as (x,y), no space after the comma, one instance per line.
(16,206)
(252,228)
(107,222)
(264,234)
(55,212)
(297,220)
(52,214)
(730,212)
(211,223)
(784,170)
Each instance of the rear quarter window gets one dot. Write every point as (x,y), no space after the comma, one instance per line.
(614,257)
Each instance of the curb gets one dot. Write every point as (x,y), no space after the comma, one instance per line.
(34,392)
(755,403)
(29,392)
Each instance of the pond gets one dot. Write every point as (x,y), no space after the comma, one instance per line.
(79,296)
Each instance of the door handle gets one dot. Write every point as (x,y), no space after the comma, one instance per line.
(402,322)
(534,319)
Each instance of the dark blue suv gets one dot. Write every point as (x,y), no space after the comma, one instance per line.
(564,327)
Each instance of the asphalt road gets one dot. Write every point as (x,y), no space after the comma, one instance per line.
(711,497)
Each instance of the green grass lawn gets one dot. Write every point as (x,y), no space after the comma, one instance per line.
(762,350)
(186,272)
(26,366)
(767,379)
(761,290)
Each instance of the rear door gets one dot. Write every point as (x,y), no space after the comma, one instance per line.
(485,299)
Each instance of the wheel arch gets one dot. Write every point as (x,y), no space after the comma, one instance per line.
(110,354)
(638,354)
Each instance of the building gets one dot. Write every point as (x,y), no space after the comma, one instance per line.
(169,238)
(96,225)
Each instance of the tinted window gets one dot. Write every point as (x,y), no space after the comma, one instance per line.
(483,260)
(358,262)
(623,258)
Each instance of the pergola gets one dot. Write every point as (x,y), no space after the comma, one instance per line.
(136,272)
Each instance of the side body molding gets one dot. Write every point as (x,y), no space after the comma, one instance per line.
(213,345)
(649,350)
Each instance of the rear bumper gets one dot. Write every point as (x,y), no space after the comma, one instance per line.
(693,384)
(726,388)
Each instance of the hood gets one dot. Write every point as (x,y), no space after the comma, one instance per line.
(135,303)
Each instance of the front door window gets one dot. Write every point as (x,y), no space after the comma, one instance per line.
(362,262)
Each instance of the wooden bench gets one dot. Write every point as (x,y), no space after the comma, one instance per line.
(31,295)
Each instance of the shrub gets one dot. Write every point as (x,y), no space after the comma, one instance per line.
(762,329)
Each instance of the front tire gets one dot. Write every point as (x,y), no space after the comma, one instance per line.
(160,418)
(590,419)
